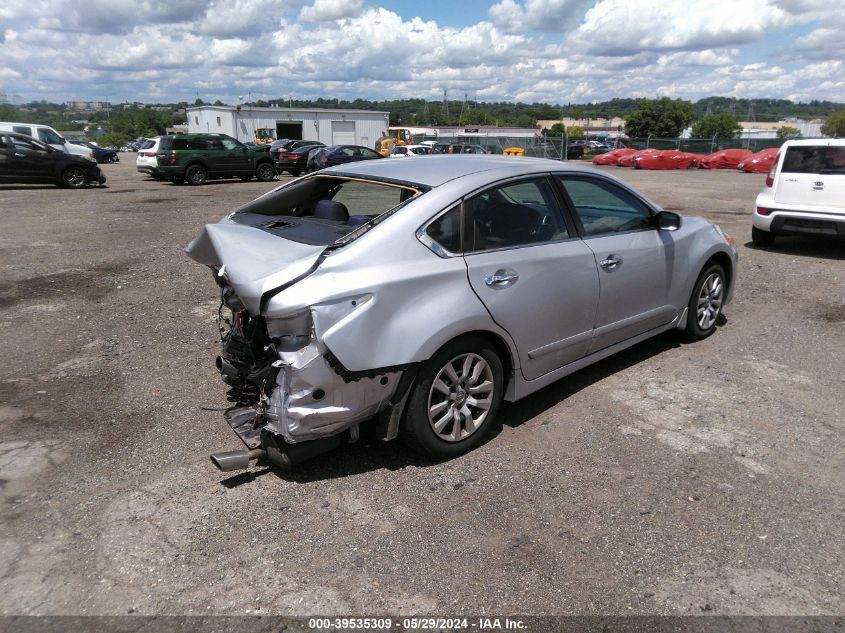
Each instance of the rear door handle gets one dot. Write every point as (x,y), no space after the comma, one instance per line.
(502,278)
(611,262)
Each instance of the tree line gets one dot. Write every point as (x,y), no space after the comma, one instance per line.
(666,118)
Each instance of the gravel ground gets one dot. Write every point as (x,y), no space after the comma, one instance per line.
(672,478)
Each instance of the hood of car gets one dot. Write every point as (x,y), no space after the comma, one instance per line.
(251,260)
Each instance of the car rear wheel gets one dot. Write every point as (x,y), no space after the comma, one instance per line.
(196,175)
(454,401)
(265,172)
(74,177)
(705,305)
(762,238)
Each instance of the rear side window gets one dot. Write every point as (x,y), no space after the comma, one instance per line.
(814,159)
(20,129)
(515,215)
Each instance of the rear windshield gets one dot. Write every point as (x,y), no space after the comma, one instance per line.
(325,210)
(814,159)
(147,144)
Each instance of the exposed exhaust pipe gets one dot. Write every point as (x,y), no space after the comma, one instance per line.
(226,368)
(228,461)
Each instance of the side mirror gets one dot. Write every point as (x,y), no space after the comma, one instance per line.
(668,221)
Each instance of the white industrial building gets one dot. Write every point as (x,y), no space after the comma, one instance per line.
(329,126)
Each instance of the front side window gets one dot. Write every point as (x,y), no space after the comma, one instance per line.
(231,144)
(603,207)
(48,136)
(515,215)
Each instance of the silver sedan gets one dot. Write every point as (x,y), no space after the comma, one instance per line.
(422,293)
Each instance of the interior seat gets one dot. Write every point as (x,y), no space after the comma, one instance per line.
(331,210)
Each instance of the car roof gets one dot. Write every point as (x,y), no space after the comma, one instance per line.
(435,170)
(815,142)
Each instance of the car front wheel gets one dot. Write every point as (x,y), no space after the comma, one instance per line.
(74,177)
(762,238)
(706,303)
(196,175)
(454,401)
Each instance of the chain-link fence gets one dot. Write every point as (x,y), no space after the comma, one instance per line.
(563,147)
(702,145)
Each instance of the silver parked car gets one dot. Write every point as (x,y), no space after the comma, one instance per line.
(424,293)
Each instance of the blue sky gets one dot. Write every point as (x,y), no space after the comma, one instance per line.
(554,51)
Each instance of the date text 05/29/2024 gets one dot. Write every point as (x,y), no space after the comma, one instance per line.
(417,624)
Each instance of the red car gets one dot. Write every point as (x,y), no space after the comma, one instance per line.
(666,159)
(760,162)
(610,158)
(628,159)
(725,159)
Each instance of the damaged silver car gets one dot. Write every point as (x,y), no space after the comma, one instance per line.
(423,293)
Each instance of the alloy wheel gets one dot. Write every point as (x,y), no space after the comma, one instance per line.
(710,301)
(460,397)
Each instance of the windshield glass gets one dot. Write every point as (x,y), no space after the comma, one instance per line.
(325,210)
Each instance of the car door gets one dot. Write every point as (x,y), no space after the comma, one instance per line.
(537,279)
(236,159)
(29,161)
(635,260)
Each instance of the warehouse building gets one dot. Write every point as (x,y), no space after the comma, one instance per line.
(332,127)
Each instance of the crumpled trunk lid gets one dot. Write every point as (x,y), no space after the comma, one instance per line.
(255,261)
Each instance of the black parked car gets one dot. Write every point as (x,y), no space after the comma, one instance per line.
(294,161)
(276,148)
(25,160)
(339,155)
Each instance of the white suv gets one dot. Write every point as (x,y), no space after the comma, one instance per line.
(804,192)
(146,162)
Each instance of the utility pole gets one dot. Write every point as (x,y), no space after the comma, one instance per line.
(445,104)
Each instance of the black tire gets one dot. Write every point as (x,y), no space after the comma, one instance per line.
(265,172)
(762,238)
(416,429)
(196,175)
(74,177)
(710,300)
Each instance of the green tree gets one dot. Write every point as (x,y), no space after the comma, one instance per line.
(787,131)
(664,118)
(719,125)
(557,130)
(576,131)
(835,124)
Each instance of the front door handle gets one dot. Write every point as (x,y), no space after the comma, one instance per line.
(611,262)
(502,278)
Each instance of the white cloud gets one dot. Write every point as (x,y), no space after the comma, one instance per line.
(553,16)
(622,27)
(329,10)
(555,51)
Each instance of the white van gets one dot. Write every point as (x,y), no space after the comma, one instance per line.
(804,192)
(48,135)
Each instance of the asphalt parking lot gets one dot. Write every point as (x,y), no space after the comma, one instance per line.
(673,478)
